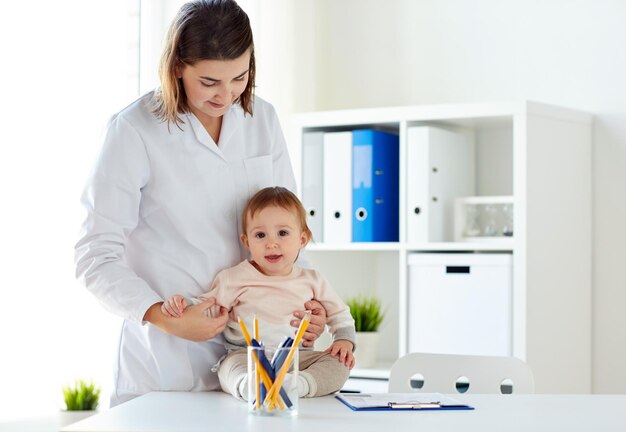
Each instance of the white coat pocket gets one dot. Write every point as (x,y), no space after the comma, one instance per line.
(259,173)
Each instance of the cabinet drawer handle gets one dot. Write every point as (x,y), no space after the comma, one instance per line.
(457,269)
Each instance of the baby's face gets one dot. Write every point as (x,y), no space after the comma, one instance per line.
(274,238)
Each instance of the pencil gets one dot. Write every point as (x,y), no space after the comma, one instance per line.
(264,375)
(258,372)
(272,394)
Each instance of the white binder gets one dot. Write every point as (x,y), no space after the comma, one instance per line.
(440,168)
(313,182)
(337,220)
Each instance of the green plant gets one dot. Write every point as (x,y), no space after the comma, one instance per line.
(82,396)
(367,313)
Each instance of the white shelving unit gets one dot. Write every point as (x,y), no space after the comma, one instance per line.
(536,153)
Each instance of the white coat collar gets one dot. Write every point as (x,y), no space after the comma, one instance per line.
(229,126)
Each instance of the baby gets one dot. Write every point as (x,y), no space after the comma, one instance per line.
(271,286)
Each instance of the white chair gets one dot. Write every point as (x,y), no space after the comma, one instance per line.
(440,373)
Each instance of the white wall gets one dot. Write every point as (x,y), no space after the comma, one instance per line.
(371,53)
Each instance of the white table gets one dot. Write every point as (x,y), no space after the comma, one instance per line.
(215,411)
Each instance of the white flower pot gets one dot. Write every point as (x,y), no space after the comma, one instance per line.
(69,417)
(366,353)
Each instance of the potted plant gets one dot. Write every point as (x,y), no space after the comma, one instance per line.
(81,401)
(368,314)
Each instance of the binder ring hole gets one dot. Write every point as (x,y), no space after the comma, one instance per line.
(337,215)
(462,384)
(416,210)
(311,212)
(506,386)
(416,381)
(361,214)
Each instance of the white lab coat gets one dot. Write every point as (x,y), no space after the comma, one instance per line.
(163,217)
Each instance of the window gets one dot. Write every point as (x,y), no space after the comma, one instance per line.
(66,68)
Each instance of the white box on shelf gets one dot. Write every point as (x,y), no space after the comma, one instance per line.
(460,303)
(483,219)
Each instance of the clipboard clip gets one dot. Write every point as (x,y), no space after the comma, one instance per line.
(414,405)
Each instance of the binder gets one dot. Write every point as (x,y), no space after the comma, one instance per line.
(375,182)
(337,202)
(313,182)
(400,402)
(440,168)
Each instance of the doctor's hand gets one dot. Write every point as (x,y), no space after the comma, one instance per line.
(195,324)
(316,325)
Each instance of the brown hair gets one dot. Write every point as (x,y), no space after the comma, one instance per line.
(202,30)
(275,197)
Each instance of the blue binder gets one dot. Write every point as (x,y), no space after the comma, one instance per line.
(375,184)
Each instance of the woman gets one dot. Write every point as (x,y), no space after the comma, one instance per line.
(165,198)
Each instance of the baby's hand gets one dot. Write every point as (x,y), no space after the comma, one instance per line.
(174,306)
(342,349)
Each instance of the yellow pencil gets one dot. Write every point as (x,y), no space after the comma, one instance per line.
(256,328)
(244,330)
(258,372)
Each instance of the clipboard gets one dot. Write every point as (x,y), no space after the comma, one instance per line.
(400,402)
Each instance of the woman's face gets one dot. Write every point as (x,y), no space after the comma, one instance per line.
(212,86)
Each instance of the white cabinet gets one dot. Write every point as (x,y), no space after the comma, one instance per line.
(537,155)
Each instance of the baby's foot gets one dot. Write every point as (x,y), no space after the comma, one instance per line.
(302,383)
(242,389)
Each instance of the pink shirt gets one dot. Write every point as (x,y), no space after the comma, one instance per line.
(247,292)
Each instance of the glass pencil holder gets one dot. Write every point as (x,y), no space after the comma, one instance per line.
(273,381)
